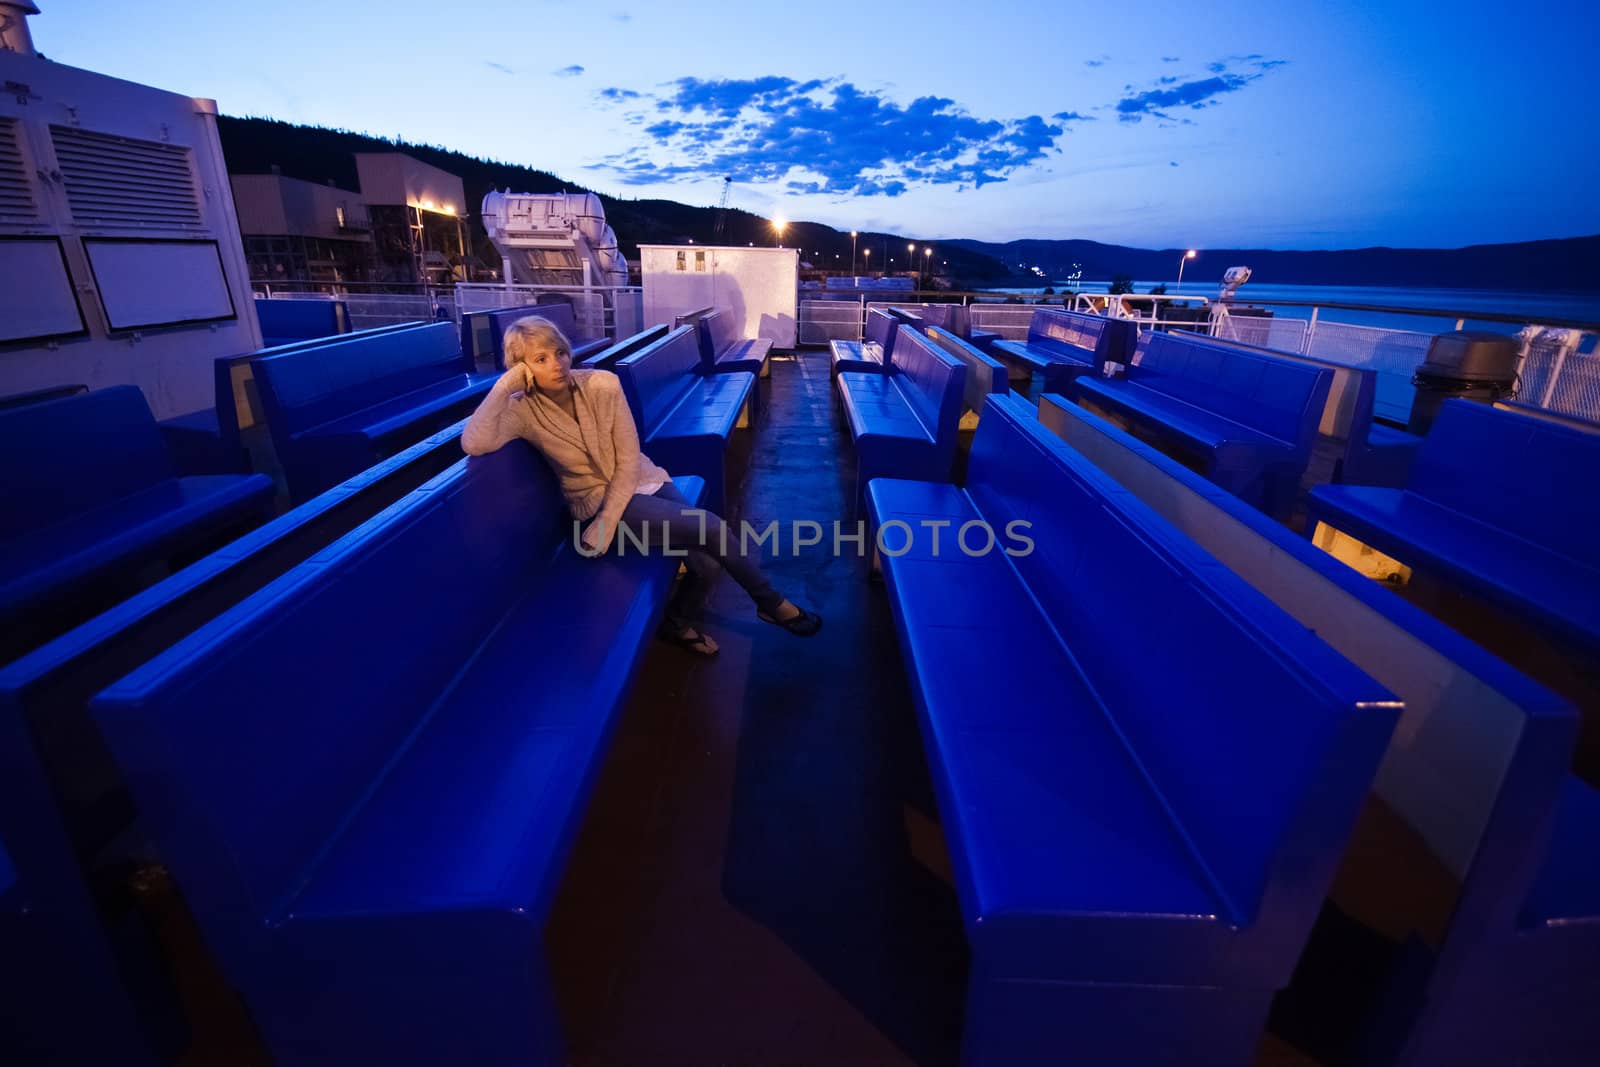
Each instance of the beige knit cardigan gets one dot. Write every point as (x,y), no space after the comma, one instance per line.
(597,458)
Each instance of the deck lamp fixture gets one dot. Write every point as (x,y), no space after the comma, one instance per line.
(1187,256)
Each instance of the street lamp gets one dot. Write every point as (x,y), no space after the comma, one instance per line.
(927,261)
(852,252)
(1187,256)
(779,224)
(911,257)
(866,261)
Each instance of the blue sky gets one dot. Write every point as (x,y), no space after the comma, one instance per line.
(1281,125)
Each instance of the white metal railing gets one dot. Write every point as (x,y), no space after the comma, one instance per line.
(821,321)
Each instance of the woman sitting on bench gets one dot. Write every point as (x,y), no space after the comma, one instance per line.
(580,422)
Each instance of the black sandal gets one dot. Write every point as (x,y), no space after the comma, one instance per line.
(690,639)
(804,624)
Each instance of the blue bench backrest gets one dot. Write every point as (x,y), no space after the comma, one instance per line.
(985,374)
(557,314)
(288,320)
(655,379)
(932,381)
(1351,394)
(309,387)
(626,347)
(1223,699)
(268,725)
(1099,338)
(882,328)
(1525,475)
(717,331)
(64,457)
(1270,395)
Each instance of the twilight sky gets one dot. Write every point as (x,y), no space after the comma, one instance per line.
(1287,124)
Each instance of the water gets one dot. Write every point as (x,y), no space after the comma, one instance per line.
(1527,306)
(1395,392)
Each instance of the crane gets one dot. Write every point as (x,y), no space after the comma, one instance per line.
(722,212)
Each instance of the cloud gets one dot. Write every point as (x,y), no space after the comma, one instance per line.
(1170,59)
(1173,163)
(501,67)
(1096,62)
(623,16)
(1195,93)
(569,72)
(823,136)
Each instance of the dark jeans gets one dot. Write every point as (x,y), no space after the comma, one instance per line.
(711,548)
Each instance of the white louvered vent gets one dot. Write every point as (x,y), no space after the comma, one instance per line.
(16,192)
(117,181)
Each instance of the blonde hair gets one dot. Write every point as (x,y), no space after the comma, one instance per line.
(533,331)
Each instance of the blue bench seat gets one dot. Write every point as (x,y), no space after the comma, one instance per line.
(723,350)
(61,798)
(685,416)
(874,352)
(1490,506)
(1062,346)
(337,408)
(90,498)
(1251,417)
(209,441)
(1478,774)
(1141,839)
(904,423)
(370,843)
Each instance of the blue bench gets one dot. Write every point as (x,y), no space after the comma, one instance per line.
(1495,504)
(873,352)
(1369,453)
(483,332)
(904,423)
(685,417)
(1141,837)
(336,409)
(286,321)
(208,441)
(90,498)
(1066,345)
(723,350)
(1249,418)
(370,841)
(607,359)
(37,396)
(61,797)
(1478,771)
(985,374)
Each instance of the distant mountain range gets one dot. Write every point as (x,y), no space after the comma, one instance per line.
(254,146)
(1569,265)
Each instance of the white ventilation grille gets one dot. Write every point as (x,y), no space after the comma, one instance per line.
(16,192)
(117,181)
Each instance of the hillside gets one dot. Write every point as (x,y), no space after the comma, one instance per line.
(1570,265)
(254,146)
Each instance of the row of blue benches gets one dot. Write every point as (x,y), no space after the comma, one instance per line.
(1165,930)
(1480,768)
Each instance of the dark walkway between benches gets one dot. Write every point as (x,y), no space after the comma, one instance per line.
(761,877)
